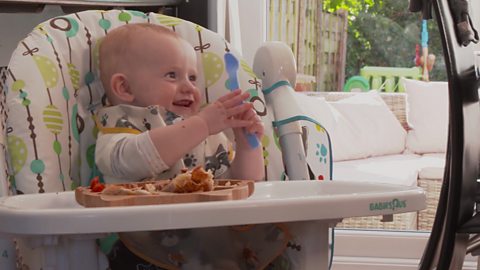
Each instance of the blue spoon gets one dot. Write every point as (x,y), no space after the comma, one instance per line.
(231,66)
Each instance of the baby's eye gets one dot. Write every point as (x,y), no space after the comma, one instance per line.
(193,78)
(171,75)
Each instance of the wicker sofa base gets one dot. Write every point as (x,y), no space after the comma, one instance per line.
(403,222)
(421,220)
(432,189)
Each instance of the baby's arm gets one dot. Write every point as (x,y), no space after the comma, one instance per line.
(129,156)
(172,142)
(248,162)
(136,156)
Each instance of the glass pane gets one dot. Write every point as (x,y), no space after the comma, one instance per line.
(362,45)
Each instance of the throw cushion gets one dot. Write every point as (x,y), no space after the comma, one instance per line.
(377,131)
(427,116)
(360,126)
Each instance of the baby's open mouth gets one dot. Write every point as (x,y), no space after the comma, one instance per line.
(183,103)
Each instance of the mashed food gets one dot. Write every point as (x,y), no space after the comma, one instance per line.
(191,181)
(197,180)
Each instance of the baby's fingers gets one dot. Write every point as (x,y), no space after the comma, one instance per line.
(235,100)
(257,128)
(237,123)
(250,115)
(230,95)
(239,109)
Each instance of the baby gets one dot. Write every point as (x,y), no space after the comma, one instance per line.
(149,74)
(155,127)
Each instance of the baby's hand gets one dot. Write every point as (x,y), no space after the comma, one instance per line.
(218,116)
(256,125)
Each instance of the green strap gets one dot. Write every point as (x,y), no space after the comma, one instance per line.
(275,86)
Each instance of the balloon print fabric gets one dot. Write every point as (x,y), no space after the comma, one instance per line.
(52,90)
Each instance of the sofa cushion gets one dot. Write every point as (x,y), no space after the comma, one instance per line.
(391,169)
(427,116)
(431,166)
(376,131)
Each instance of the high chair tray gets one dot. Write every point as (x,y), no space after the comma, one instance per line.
(223,190)
(274,201)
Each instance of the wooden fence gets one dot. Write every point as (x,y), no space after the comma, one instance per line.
(317,39)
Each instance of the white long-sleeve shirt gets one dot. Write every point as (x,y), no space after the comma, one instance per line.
(126,153)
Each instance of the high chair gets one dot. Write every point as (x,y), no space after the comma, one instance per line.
(50,94)
(51,91)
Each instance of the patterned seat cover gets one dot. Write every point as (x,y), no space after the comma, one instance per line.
(52,90)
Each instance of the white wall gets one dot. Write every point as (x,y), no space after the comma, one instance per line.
(251,16)
(380,250)
(15,26)
(253,25)
(247,29)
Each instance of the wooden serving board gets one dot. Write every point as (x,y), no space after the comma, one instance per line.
(237,190)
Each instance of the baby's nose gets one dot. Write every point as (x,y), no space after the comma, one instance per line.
(188,86)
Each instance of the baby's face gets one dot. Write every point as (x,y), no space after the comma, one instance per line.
(166,76)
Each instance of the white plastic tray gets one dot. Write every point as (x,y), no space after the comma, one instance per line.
(58,213)
(47,219)
(275,201)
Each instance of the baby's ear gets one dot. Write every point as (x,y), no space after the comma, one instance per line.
(121,88)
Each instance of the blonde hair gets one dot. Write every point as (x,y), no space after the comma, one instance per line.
(117,52)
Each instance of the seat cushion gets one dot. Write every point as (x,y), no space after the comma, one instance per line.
(390,169)
(432,166)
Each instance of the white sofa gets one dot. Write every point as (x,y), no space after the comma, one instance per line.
(396,138)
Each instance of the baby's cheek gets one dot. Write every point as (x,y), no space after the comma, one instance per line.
(196,106)
(197,98)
